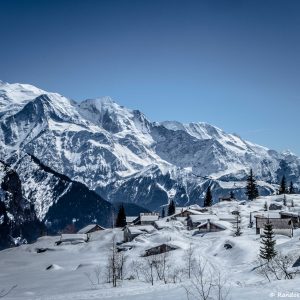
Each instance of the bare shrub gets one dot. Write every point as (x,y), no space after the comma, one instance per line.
(115,264)
(4,292)
(279,267)
(206,282)
(189,258)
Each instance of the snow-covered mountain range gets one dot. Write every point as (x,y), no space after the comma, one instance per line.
(123,156)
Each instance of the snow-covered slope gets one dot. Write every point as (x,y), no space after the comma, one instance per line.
(79,271)
(125,157)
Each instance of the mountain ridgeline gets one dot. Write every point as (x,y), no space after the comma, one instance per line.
(71,156)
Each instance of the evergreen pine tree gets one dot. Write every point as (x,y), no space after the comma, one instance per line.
(265,206)
(292,203)
(282,189)
(252,191)
(291,189)
(163,214)
(121,217)
(208,198)
(267,249)
(171,208)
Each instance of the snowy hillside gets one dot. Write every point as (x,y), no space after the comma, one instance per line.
(79,271)
(125,157)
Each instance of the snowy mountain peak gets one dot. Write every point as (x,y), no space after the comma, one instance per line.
(16,95)
(121,154)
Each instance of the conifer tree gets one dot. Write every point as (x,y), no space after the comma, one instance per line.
(252,191)
(121,217)
(292,189)
(267,249)
(171,208)
(282,189)
(265,206)
(163,214)
(208,198)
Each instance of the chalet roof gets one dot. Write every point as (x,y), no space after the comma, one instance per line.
(131,219)
(276,222)
(149,218)
(202,217)
(160,224)
(290,213)
(141,229)
(157,245)
(66,237)
(87,228)
(266,214)
(193,210)
(216,224)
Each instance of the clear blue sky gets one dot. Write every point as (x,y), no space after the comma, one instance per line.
(233,63)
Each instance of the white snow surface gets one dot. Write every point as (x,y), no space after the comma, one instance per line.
(68,265)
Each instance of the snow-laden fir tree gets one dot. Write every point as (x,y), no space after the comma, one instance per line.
(282,189)
(291,188)
(251,188)
(265,206)
(121,217)
(171,208)
(267,249)
(208,198)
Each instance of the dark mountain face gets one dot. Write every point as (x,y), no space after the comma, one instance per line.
(17,214)
(56,201)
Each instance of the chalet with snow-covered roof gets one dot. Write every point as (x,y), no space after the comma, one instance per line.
(131,220)
(161,224)
(159,249)
(211,226)
(194,220)
(262,214)
(295,216)
(74,238)
(131,232)
(280,226)
(90,229)
(148,218)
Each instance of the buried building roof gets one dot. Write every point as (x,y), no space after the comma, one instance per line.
(222,225)
(161,224)
(159,249)
(202,217)
(131,219)
(277,223)
(91,228)
(140,229)
(149,217)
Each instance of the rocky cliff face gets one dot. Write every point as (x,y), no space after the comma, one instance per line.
(123,156)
